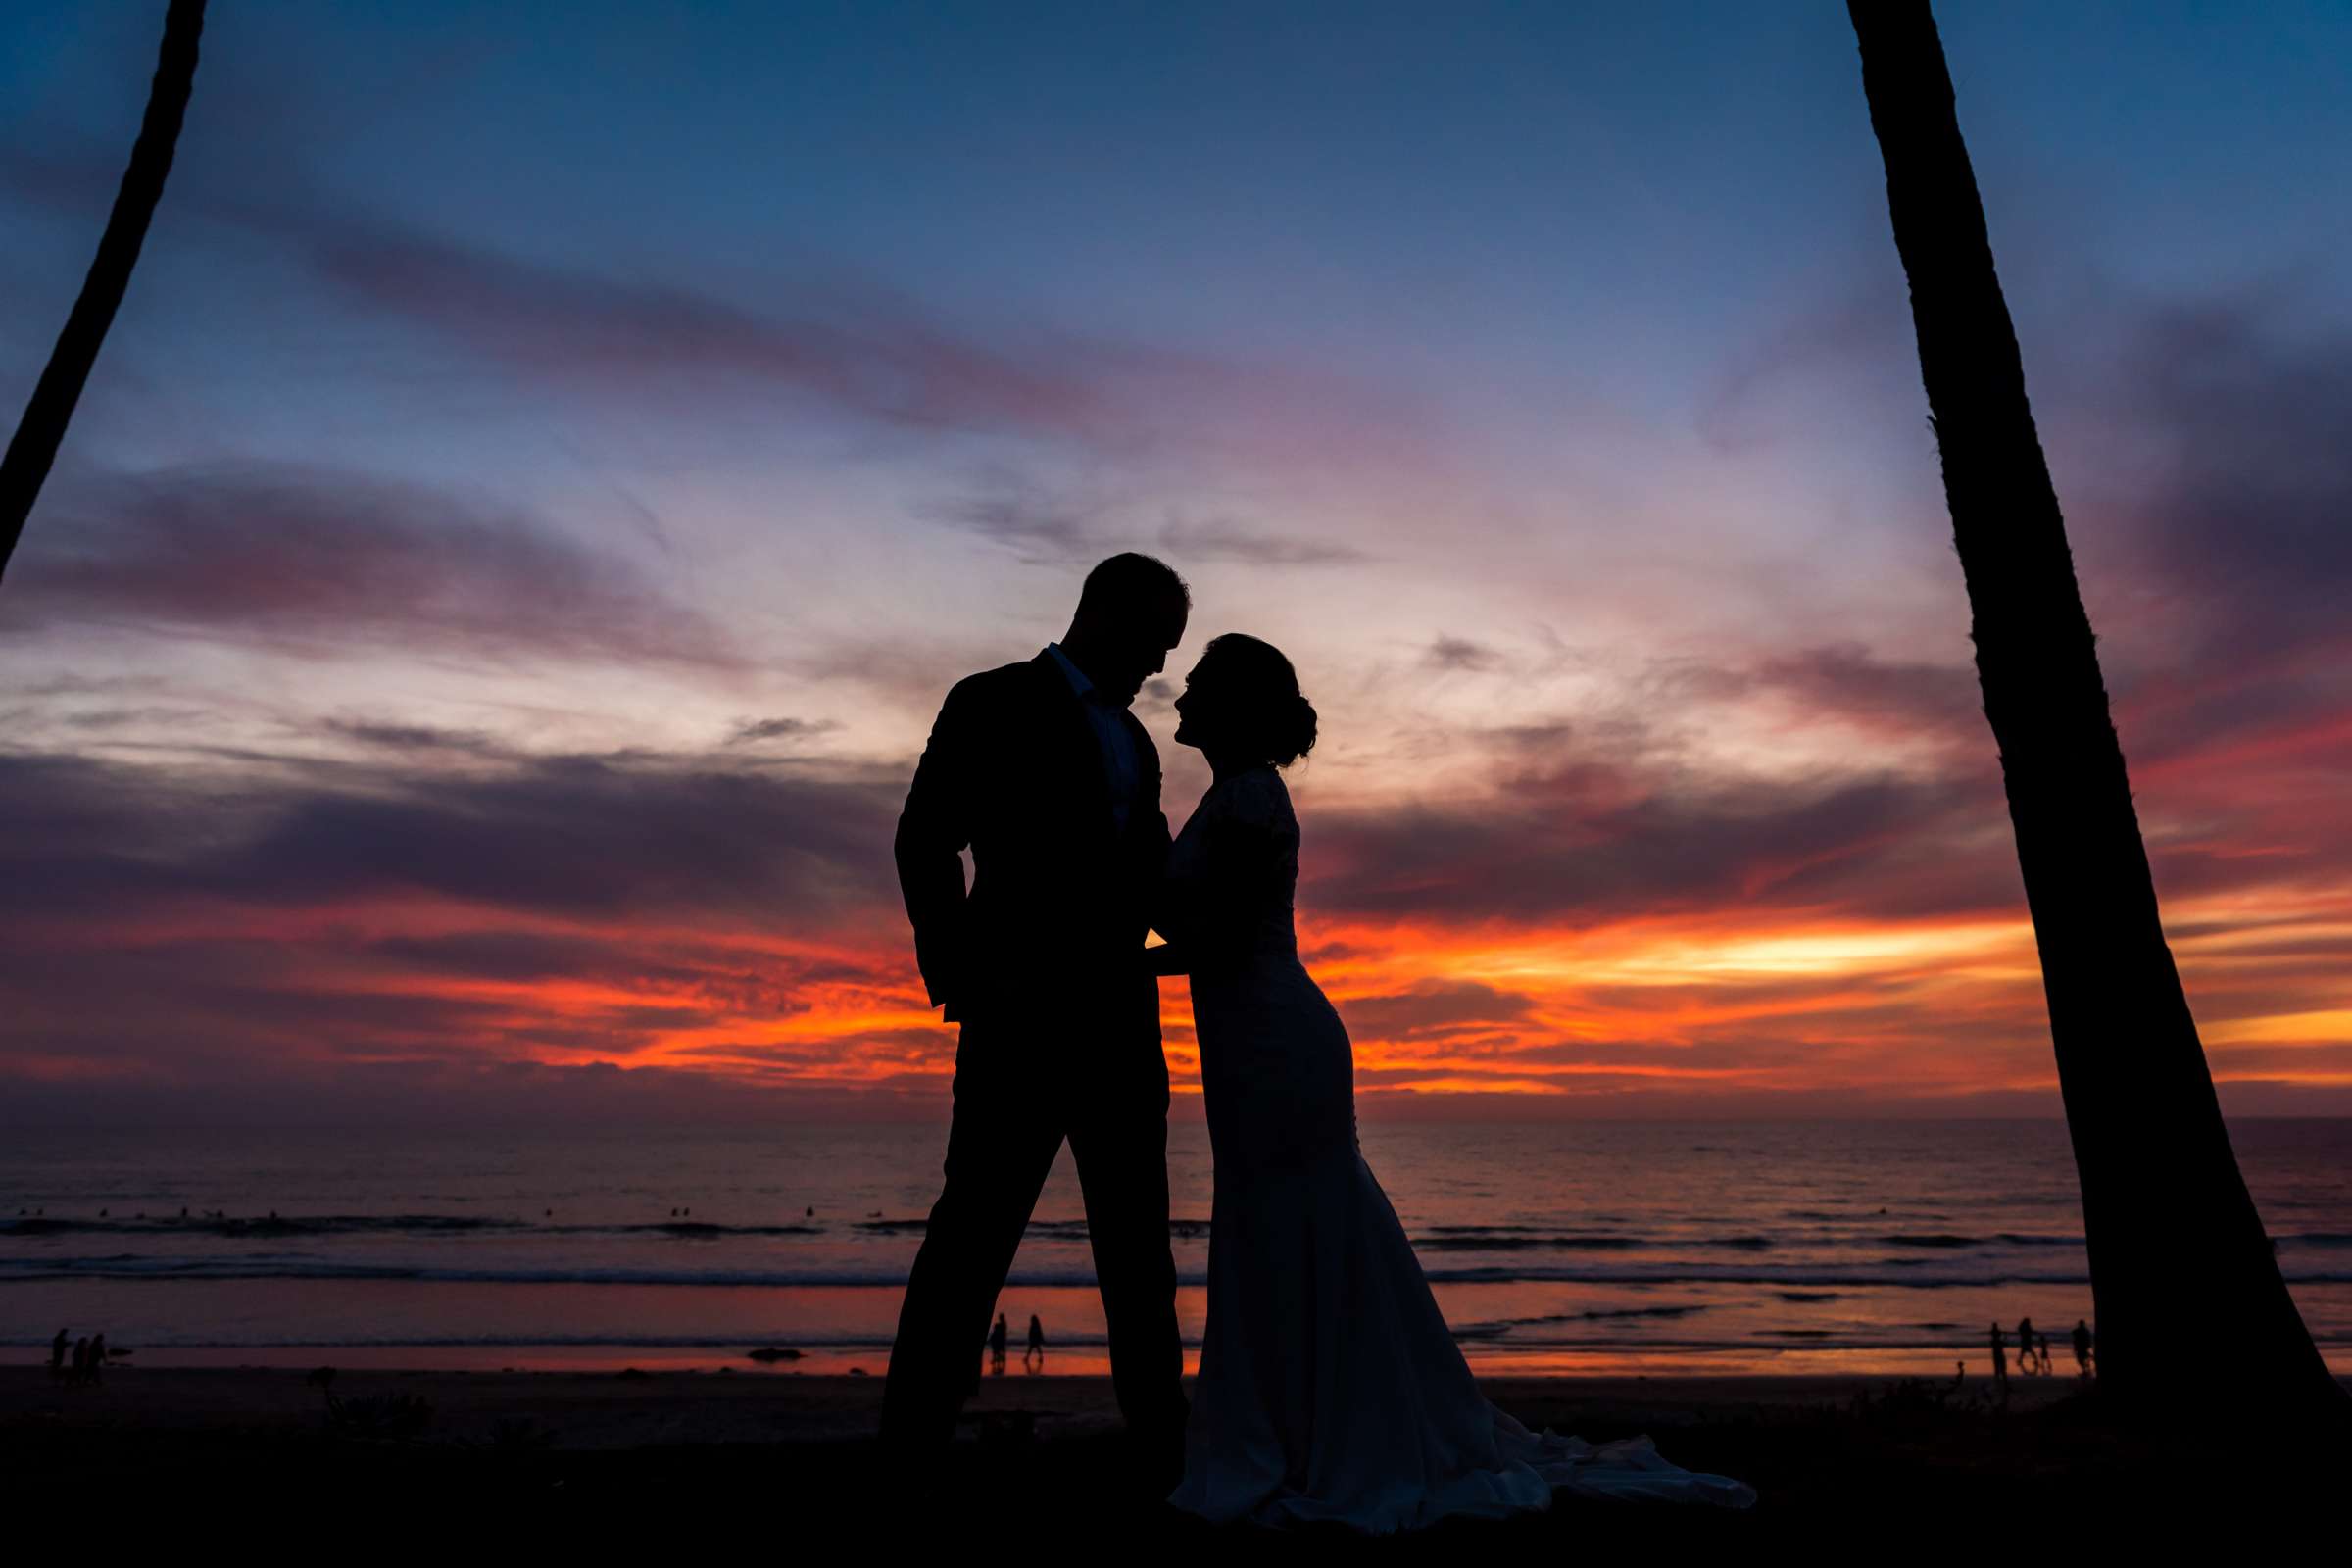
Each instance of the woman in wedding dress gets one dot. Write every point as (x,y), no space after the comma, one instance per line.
(1330,1387)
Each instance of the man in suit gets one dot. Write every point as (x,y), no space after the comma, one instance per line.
(1043,772)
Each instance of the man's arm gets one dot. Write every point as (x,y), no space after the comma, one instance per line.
(933,829)
(1154,828)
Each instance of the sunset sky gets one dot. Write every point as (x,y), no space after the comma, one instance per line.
(548,469)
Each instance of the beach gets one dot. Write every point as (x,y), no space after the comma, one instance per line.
(638,1411)
(1825,1452)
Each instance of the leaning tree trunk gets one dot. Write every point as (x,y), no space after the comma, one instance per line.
(2178,1261)
(35,446)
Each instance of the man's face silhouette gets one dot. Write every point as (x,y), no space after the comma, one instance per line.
(1122,651)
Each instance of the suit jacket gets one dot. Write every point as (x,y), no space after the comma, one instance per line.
(1052,928)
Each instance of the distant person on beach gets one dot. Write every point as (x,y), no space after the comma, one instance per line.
(1034,1358)
(79,1370)
(97,1355)
(2000,1362)
(57,1353)
(2025,1344)
(2081,1348)
(996,1347)
(2041,1354)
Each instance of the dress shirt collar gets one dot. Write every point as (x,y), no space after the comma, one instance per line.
(1079,684)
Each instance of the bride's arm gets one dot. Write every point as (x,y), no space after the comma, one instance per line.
(1219,928)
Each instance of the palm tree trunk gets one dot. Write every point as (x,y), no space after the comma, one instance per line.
(34,447)
(2181,1272)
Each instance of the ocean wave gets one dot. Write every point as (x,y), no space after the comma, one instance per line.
(1925,1260)
(1501,1327)
(1949,1240)
(687,1229)
(246,1227)
(1514,1238)
(1528,1244)
(1793,1277)
(272,1225)
(1066,1229)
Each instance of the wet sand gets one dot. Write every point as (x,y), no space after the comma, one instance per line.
(606,1410)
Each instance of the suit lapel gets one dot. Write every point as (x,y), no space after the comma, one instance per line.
(1080,751)
(1146,769)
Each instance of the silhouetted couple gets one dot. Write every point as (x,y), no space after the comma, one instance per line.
(1033,1359)
(1330,1387)
(88,1363)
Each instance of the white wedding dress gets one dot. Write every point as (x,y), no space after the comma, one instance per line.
(1330,1389)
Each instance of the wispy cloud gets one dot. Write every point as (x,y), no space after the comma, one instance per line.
(1227,539)
(1067,527)
(761,731)
(1461,653)
(325,561)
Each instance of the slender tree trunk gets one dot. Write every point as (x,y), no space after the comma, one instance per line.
(35,446)
(2189,1295)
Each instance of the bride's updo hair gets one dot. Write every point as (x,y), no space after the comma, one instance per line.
(1268,715)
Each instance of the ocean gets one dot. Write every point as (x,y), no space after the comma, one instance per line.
(1612,1247)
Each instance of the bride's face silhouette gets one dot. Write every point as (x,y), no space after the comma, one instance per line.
(1195,708)
(1240,704)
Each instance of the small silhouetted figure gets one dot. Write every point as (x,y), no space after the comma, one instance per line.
(79,1370)
(2041,1354)
(2000,1362)
(812,1215)
(324,1378)
(2081,1348)
(997,1338)
(1034,1358)
(57,1353)
(2025,1344)
(97,1355)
